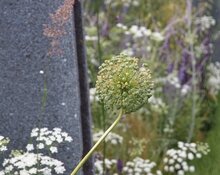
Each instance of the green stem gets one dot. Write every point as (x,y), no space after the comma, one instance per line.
(97,144)
(191,48)
(104,143)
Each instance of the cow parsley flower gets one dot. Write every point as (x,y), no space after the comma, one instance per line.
(92,95)
(30,163)
(176,160)
(205,22)
(157,36)
(3,143)
(53,149)
(157,104)
(140,166)
(109,163)
(112,138)
(46,138)
(136,31)
(214,78)
(30,147)
(33,161)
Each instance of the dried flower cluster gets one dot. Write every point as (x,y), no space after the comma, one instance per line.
(121,83)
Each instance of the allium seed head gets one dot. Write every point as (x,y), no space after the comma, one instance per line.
(121,83)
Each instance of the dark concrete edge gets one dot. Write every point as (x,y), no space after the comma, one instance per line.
(84,86)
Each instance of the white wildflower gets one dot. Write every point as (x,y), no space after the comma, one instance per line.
(33,171)
(91,38)
(92,95)
(157,104)
(68,139)
(60,169)
(40,146)
(53,149)
(112,138)
(140,166)
(176,160)
(205,22)
(191,169)
(214,78)
(156,36)
(30,147)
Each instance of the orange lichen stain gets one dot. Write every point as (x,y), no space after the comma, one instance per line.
(63,13)
(56,29)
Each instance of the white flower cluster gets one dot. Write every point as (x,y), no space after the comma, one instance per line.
(173,80)
(3,143)
(139,166)
(185,89)
(128,51)
(112,138)
(140,32)
(126,3)
(32,164)
(109,164)
(205,22)
(92,95)
(214,78)
(49,139)
(156,103)
(157,36)
(168,129)
(91,38)
(176,160)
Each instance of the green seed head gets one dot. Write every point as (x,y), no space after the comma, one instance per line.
(121,83)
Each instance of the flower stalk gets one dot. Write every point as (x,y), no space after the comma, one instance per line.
(89,154)
(121,84)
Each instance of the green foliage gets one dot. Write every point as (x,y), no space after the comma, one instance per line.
(210,164)
(175,106)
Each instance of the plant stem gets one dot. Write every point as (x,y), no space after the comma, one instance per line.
(104,143)
(97,143)
(191,49)
(99,37)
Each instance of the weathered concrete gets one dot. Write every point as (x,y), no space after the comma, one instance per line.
(29,77)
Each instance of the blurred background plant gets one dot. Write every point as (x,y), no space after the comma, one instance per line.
(176,41)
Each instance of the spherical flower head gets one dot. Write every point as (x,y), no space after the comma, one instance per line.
(122,84)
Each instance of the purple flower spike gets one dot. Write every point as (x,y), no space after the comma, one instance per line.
(182,75)
(170,68)
(119,165)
